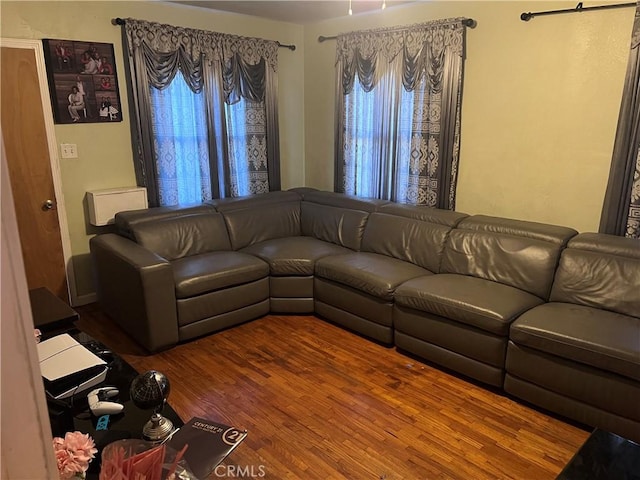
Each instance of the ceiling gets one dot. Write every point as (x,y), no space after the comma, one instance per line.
(300,12)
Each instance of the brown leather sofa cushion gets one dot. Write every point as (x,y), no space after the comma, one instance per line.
(207,272)
(555,234)
(183,236)
(424,214)
(377,275)
(589,395)
(520,254)
(341,200)
(518,262)
(222,308)
(253,201)
(480,303)
(599,338)
(601,271)
(414,241)
(294,255)
(258,223)
(124,221)
(341,226)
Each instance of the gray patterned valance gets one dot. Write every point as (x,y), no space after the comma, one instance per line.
(213,46)
(368,53)
(250,50)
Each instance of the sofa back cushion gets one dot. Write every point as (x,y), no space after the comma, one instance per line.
(423,213)
(261,222)
(411,240)
(341,226)
(302,191)
(124,221)
(250,201)
(520,254)
(178,237)
(601,271)
(342,200)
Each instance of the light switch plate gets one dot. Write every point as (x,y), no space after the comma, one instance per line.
(69,150)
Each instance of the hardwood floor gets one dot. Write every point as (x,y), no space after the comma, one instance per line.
(320,402)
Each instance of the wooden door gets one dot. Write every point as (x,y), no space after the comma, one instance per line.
(29,162)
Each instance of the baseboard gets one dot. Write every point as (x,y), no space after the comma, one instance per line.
(84,300)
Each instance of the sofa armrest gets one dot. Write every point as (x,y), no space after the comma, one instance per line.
(136,288)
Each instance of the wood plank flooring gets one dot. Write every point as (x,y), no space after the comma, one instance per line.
(320,402)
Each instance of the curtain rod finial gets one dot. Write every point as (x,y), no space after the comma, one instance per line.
(526,16)
(290,47)
(117,21)
(469,22)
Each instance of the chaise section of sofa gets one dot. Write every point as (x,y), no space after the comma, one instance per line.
(579,354)
(356,290)
(492,271)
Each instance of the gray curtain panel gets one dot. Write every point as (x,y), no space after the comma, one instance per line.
(398,105)
(229,70)
(621,209)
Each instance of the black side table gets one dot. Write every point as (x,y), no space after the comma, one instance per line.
(604,456)
(50,314)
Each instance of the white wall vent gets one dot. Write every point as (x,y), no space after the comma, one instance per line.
(104,204)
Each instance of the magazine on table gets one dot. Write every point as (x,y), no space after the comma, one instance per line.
(208,443)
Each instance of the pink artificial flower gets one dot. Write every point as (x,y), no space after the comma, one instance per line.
(58,443)
(82,447)
(66,467)
(73,454)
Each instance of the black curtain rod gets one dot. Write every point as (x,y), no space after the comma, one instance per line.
(290,47)
(120,21)
(526,16)
(467,22)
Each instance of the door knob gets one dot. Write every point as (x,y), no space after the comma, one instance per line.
(47,205)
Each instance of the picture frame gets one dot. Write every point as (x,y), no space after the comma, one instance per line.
(83,82)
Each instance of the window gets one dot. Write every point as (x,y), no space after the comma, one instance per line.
(398,131)
(246,136)
(179,125)
(205,113)
(364,175)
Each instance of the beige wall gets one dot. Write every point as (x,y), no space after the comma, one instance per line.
(104,150)
(540,105)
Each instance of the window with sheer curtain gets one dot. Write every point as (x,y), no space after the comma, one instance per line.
(247,147)
(179,124)
(206,123)
(398,101)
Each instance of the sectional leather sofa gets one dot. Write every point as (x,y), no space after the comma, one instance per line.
(547,314)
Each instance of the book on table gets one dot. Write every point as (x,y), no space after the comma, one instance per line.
(208,444)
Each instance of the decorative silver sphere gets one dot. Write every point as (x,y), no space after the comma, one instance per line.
(149,391)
